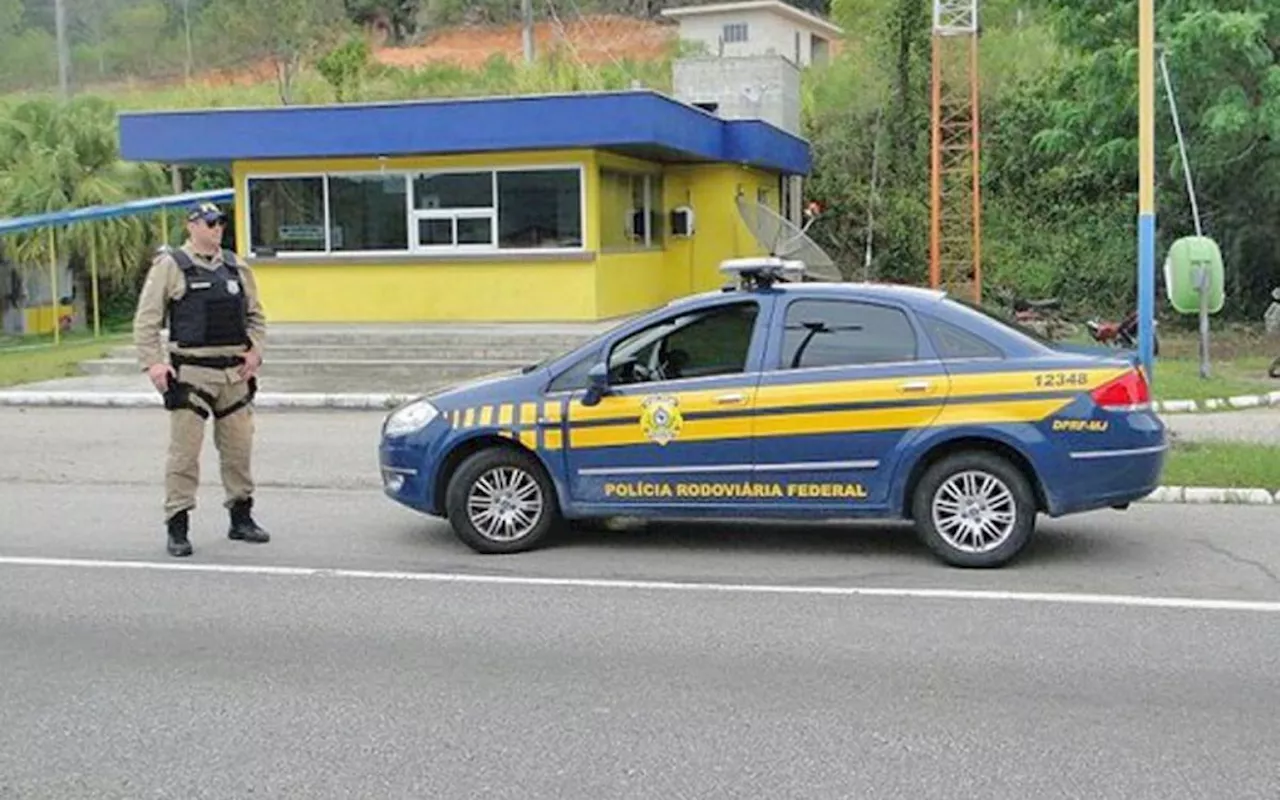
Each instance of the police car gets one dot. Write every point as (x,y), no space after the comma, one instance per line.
(786,399)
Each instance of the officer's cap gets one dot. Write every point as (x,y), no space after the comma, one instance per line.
(209,212)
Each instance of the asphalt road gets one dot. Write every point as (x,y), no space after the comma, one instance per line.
(359,654)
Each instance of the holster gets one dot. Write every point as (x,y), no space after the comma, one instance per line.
(178,395)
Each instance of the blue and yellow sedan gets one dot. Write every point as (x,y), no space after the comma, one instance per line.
(785,399)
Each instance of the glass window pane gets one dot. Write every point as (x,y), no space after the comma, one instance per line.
(954,342)
(824,333)
(367,212)
(657,212)
(453,190)
(475,231)
(689,345)
(616,207)
(286,215)
(540,208)
(435,232)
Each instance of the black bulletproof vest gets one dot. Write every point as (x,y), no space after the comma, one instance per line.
(213,312)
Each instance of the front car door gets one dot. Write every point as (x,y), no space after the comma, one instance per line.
(675,426)
(845,381)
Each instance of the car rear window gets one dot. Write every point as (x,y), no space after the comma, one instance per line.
(952,341)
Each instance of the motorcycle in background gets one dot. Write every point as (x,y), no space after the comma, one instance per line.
(1121,334)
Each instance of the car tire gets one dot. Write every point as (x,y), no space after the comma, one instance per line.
(514,489)
(1003,509)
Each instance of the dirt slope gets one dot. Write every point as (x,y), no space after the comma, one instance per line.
(593,40)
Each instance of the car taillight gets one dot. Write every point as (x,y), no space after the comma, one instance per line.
(1129,392)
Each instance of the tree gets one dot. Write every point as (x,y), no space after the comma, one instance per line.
(288,32)
(344,67)
(1224,61)
(56,157)
(400,17)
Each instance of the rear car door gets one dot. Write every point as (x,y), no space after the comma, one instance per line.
(846,381)
(677,418)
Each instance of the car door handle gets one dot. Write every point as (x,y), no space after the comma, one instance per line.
(915,386)
(729,399)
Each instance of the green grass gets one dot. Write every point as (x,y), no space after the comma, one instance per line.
(1225,464)
(30,359)
(1179,378)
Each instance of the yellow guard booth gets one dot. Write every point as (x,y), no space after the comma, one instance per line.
(561,207)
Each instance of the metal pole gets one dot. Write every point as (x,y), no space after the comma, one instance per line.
(93,276)
(526,13)
(871,202)
(54,304)
(935,176)
(977,177)
(1182,145)
(1146,185)
(64,53)
(1202,275)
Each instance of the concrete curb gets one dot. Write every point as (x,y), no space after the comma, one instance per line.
(1218,403)
(1208,495)
(309,400)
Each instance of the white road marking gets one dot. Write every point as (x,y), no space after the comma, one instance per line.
(1192,603)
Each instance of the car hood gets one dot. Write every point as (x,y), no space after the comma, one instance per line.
(498,387)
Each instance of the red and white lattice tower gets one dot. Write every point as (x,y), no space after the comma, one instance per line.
(955,240)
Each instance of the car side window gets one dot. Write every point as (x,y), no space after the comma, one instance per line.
(829,333)
(694,344)
(953,341)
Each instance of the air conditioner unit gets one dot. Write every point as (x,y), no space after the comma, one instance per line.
(682,221)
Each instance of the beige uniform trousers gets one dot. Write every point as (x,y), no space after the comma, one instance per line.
(232,435)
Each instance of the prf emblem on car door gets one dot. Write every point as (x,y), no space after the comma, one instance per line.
(660,418)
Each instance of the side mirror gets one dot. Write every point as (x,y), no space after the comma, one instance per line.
(597,384)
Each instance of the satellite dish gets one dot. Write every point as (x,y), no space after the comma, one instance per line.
(784,240)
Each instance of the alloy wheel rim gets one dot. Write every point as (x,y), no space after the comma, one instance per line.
(974,511)
(505,504)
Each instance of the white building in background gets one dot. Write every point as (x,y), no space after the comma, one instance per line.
(754,53)
(758,28)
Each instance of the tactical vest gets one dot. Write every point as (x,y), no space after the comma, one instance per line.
(213,312)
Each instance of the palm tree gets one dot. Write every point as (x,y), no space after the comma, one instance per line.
(57,157)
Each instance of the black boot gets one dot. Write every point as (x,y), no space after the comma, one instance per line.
(242,525)
(178,544)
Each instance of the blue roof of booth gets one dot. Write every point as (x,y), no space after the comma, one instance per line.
(643,123)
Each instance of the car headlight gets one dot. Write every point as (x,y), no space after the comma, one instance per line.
(409,418)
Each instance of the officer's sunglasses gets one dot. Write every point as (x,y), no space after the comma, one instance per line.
(220,222)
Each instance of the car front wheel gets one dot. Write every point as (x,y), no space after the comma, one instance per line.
(974,509)
(501,501)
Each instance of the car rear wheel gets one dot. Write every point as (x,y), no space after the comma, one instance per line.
(974,509)
(501,501)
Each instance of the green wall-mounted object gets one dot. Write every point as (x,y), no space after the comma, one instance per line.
(1190,259)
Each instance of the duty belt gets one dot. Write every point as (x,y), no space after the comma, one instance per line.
(216,362)
(178,395)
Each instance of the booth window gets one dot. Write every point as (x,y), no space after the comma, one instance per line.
(287,215)
(366,213)
(510,209)
(631,210)
(528,208)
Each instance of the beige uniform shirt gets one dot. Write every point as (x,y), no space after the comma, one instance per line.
(166,283)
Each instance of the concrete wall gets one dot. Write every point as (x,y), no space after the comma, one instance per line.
(746,87)
(767,34)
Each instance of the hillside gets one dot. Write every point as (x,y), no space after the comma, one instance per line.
(591,40)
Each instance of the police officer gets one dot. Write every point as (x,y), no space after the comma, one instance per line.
(216,334)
